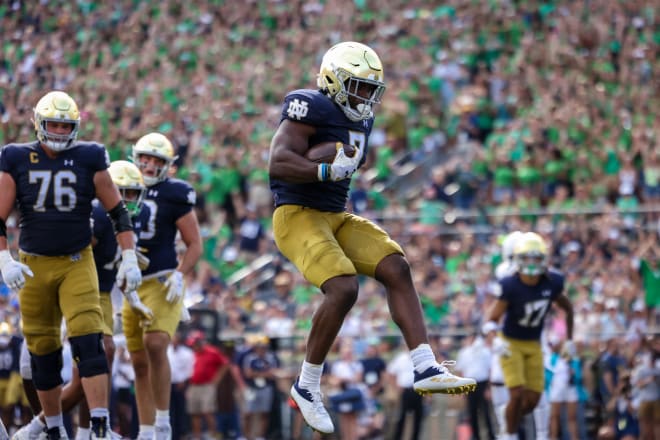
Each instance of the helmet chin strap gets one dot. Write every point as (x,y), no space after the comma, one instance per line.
(364,109)
(57,145)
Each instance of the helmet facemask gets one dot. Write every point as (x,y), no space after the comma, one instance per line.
(531,263)
(161,171)
(133,197)
(349,93)
(54,141)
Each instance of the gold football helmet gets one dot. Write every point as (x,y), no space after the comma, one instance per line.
(56,107)
(129,181)
(509,243)
(157,145)
(344,69)
(530,254)
(128,178)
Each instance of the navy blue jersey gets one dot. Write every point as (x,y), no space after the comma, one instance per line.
(10,354)
(54,196)
(528,305)
(314,108)
(168,201)
(106,250)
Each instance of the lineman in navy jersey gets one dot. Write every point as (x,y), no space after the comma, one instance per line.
(129,181)
(54,181)
(526,298)
(329,245)
(171,202)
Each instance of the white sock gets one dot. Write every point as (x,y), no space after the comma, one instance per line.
(310,376)
(162,417)
(82,434)
(146,432)
(53,421)
(36,426)
(422,357)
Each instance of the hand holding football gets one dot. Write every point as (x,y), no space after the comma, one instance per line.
(325,152)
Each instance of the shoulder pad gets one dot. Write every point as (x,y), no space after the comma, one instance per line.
(308,106)
(182,191)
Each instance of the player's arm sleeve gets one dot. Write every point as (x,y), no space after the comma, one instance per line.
(185,199)
(101,160)
(7,154)
(300,106)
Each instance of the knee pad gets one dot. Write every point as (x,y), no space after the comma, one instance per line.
(46,370)
(89,354)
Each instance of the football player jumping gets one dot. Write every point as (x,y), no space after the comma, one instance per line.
(171,202)
(53,181)
(329,245)
(526,298)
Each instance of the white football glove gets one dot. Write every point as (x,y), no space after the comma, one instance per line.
(144,312)
(12,271)
(129,276)
(342,167)
(185,315)
(174,286)
(501,347)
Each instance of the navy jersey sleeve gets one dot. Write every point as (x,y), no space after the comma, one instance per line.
(308,107)
(183,198)
(557,283)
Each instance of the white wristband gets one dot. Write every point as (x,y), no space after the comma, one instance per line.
(5,257)
(129,255)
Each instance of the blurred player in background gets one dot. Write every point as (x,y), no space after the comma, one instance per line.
(329,245)
(171,202)
(53,181)
(11,390)
(525,299)
(500,394)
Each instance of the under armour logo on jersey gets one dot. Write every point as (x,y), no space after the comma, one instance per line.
(545,292)
(152,193)
(297,109)
(68,162)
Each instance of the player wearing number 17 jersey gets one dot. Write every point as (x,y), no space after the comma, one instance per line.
(171,202)
(53,182)
(525,300)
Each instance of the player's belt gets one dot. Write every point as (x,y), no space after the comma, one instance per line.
(497,384)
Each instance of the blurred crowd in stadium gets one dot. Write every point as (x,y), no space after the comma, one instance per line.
(499,116)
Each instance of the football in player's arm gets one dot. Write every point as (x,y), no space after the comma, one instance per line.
(53,181)
(526,297)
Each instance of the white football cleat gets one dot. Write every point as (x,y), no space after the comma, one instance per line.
(438,379)
(311,407)
(162,432)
